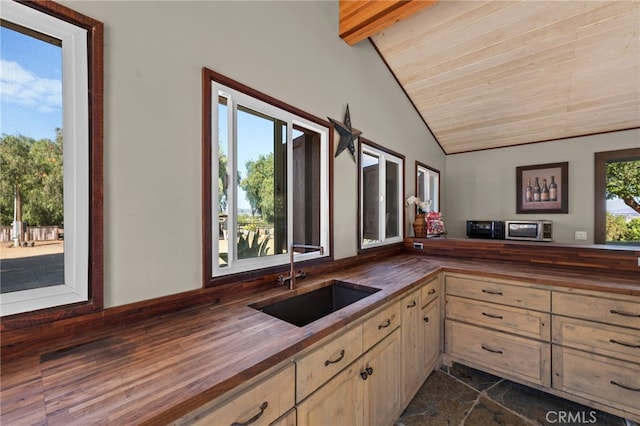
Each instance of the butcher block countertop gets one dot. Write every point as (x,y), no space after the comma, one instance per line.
(157,370)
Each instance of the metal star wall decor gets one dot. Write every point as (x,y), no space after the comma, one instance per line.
(348,134)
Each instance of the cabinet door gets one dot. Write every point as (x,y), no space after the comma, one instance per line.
(338,402)
(411,364)
(431,329)
(382,390)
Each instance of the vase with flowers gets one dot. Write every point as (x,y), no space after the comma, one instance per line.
(420,223)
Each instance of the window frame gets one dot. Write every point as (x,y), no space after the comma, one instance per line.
(600,177)
(364,146)
(82,292)
(212,82)
(429,171)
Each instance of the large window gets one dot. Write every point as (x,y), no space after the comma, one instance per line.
(269,168)
(51,155)
(428,185)
(617,197)
(381,192)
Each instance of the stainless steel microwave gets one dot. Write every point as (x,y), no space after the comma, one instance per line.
(528,230)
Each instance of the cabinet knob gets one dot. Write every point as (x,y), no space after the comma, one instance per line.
(426,319)
(366,373)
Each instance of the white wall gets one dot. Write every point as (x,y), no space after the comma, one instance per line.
(481,185)
(154,53)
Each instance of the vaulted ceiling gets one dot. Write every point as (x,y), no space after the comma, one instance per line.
(489,74)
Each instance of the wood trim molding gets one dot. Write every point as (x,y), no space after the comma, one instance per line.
(612,259)
(361,19)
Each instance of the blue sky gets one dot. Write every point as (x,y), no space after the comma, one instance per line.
(30,86)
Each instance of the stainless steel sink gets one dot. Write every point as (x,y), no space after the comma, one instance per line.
(308,307)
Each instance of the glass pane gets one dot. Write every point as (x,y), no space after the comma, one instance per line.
(623,202)
(421,190)
(392,219)
(262,186)
(433,191)
(31,159)
(370,197)
(224,172)
(306,187)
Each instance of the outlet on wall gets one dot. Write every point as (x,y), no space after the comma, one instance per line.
(581,235)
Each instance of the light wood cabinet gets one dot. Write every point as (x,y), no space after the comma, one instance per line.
(604,379)
(367,392)
(421,336)
(288,419)
(412,364)
(339,402)
(604,339)
(519,321)
(596,349)
(326,359)
(380,324)
(256,402)
(382,388)
(432,327)
(509,355)
(488,327)
(499,292)
(575,343)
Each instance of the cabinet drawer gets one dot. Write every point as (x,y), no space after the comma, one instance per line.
(257,402)
(430,291)
(608,340)
(326,360)
(381,324)
(514,320)
(602,309)
(504,294)
(512,355)
(613,382)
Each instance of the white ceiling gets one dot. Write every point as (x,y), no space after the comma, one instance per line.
(488,74)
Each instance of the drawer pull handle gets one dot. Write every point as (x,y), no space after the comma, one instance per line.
(412,304)
(492,315)
(624,314)
(488,349)
(432,291)
(386,324)
(426,319)
(613,382)
(328,362)
(253,419)
(494,292)
(630,345)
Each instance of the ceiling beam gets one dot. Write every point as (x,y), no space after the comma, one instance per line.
(360,19)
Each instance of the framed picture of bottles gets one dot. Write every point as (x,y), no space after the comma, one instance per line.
(543,188)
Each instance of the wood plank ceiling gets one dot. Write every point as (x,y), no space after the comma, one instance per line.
(489,74)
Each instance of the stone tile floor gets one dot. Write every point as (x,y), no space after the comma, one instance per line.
(462,396)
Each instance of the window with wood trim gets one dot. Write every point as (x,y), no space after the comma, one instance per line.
(266,176)
(78,41)
(617,197)
(381,177)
